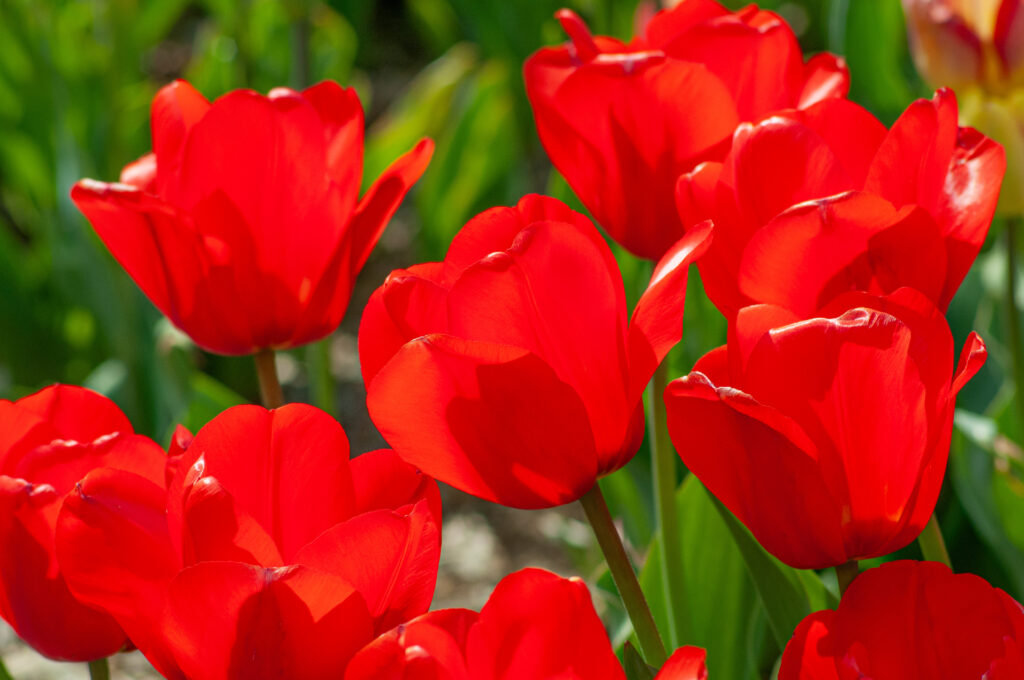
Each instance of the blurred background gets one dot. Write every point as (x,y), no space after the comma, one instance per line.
(76,81)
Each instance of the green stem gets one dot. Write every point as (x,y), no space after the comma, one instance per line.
(845,573)
(321,382)
(663,462)
(933,546)
(270,387)
(625,578)
(4,673)
(1013,313)
(99,669)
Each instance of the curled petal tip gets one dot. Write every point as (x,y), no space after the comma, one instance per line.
(579,34)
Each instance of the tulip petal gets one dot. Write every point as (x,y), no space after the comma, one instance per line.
(521,631)
(76,412)
(429,646)
(825,77)
(671,25)
(657,322)
(147,236)
(972,358)
(216,529)
(629,126)
(968,202)
(813,252)
(686,663)
(946,49)
(253,175)
(238,621)
(329,297)
(62,432)
(404,308)
(556,293)
(914,159)
(1008,36)
(756,56)
(116,555)
(808,654)
(176,108)
(341,115)
(34,597)
(491,420)
(381,201)
(761,465)
(287,468)
(835,375)
(397,565)
(383,481)
(495,230)
(781,162)
(141,174)
(925,609)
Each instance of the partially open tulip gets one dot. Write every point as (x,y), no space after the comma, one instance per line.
(535,626)
(977,47)
(686,663)
(622,121)
(828,438)
(911,621)
(810,204)
(245,226)
(268,554)
(49,441)
(510,370)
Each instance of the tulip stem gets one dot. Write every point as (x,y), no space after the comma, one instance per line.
(1013,314)
(845,573)
(663,463)
(4,673)
(933,546)
(625,578)
(99,669)
(270,387)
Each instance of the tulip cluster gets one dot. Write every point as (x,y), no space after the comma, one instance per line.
(513,370)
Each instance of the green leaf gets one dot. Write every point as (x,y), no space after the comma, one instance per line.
(871,35)
(720,598)
(989,495)
(209,398)
(636,667)
(788,596)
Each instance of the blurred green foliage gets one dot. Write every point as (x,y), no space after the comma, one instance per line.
(76,79)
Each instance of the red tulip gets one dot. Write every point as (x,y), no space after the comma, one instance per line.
(267,555)
(535,626)
(243,225)
(686,663)
(809,204)
(48,441)
(828,438)
(911,621)
(622,122)
(509,370)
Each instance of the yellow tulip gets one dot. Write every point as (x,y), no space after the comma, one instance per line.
(977,48)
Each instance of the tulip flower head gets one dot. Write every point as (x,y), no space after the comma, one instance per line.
(535,626)
(977,47)
(813,203)
(268,553)
(622,121)
(828,437)
(245,226)
(911,621)
(49,441)
(509,369)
